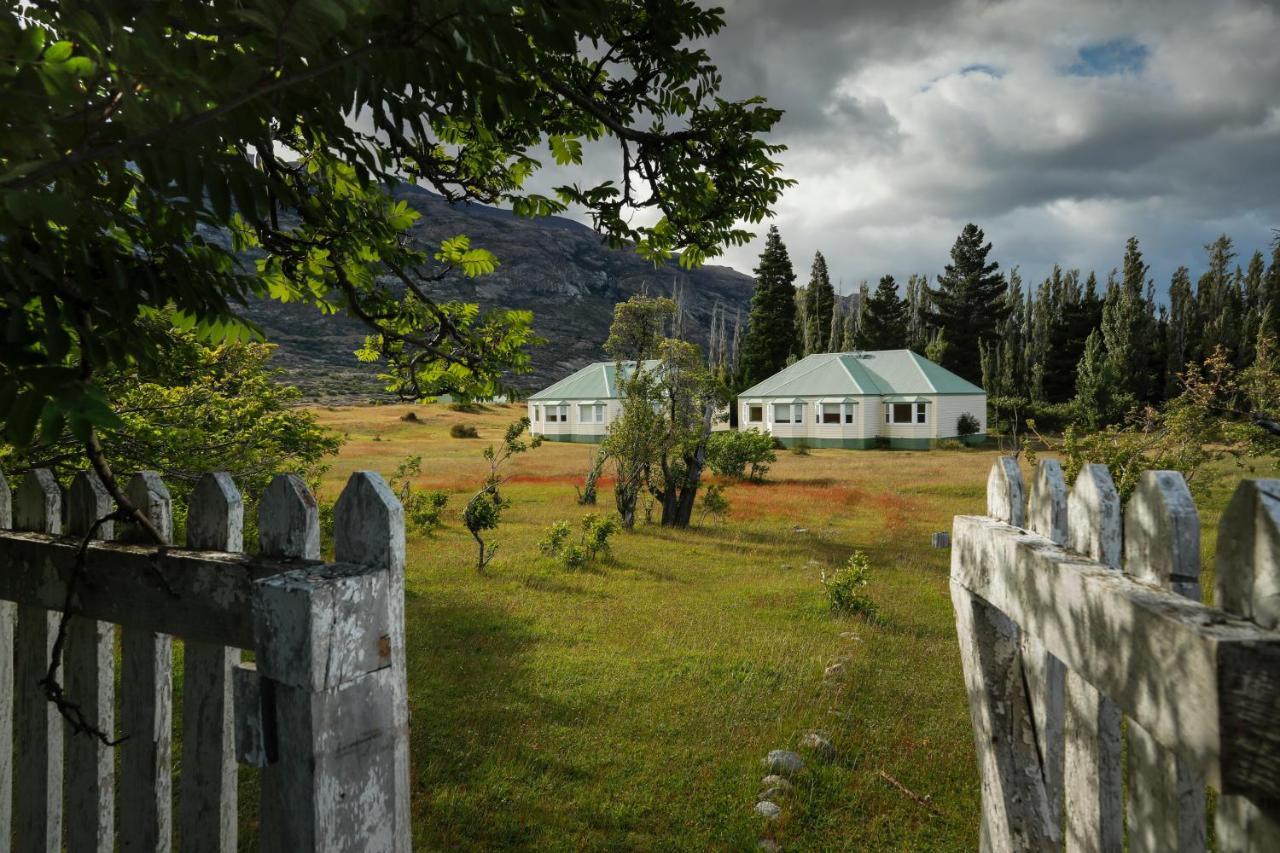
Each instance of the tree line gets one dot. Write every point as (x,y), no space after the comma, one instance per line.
(1072,346)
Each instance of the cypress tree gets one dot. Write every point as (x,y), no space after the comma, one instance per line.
(1127,324)
(770,334)
(885,321)
(820,299)
(1099,398)
(917,312)
(969,304)
(1269,300)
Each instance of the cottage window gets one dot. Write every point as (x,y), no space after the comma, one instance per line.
(788,413)
(755,414)
(557,414)
(901,413)
(921,417)
(848,413)
(591,413)
(831,413)
(537,413)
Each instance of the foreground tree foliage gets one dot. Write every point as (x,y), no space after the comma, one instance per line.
(202,409)
(134,133)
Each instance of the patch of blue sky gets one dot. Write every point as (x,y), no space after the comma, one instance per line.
(1124,55)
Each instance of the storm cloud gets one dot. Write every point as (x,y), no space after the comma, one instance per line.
(1060,128)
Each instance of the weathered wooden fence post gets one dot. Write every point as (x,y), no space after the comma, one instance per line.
(1016,815)
(215,522)
(39,728)
(91,685)
(330,643)
(1091,763)
(288,529)
(1247,584)
(1162,547)
(146,698)
(1046,675)
(8,615)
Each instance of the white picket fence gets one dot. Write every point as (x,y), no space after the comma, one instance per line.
(1081,626)
(322,709)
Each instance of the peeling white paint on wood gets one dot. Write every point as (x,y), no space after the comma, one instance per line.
(215,520)
(146,700)
(1162,546)
(90,683)
(38,727)
(1247,584)
(289,520)
(254,720)
(1006,494)
(369,529)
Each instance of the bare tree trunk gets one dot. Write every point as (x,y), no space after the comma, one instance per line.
(587,494)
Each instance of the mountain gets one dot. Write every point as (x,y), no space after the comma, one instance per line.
(556,268)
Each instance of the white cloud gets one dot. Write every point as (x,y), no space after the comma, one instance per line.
(1060,128)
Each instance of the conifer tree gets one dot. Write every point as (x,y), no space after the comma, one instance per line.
(1269,299)
(885,320)
(969,304)
(1127,323)
(1218,301)
(820,298)
(1182,313)
(770,335)
(1100,399)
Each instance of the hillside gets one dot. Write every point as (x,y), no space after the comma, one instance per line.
(554,267)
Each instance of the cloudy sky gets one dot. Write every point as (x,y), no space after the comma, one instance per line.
(1059,126)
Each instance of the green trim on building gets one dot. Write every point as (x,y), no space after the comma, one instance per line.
(818,443)
(911,443)
(574,438)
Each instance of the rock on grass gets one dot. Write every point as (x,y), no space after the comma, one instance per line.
(819,744)
(783,762)
(768,810)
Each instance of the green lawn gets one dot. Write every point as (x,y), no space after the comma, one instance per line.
(629,706)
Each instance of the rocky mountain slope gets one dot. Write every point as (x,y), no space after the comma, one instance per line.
(554,267)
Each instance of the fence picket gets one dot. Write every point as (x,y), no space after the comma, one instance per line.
(1091,762)
(8,613)
(1162,546)
(288,528)
(38,726)
(215,521)
(1046,675)
(146,700)
(90,672)
(1006,494)
(1247,584)
(369,530)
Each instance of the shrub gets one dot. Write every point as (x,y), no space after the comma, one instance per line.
(967,425)
(714,503)
(845,587)
(464,431)
(800,448)
(553,542)
(951,444)
(592,544)
(422,510)
(741,454)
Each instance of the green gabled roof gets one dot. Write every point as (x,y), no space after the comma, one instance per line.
(594,382)
(879,373)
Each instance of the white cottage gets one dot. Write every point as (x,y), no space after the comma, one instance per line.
(581,406)
(892,398)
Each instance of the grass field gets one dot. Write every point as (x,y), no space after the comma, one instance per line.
(628,706)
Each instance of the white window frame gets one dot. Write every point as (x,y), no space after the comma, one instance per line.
(557,414)
(795,412)
(591,413)
(749,407)
(839,413)
(846,412)
(915,409)
(921,413)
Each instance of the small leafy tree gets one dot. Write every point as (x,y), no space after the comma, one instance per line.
(845,587)
(422,509)
(741,454)
(483,512)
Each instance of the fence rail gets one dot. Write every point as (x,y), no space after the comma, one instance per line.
(1080,624)
(322,709)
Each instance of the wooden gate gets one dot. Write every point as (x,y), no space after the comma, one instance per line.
(1105,697)
(322,709)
